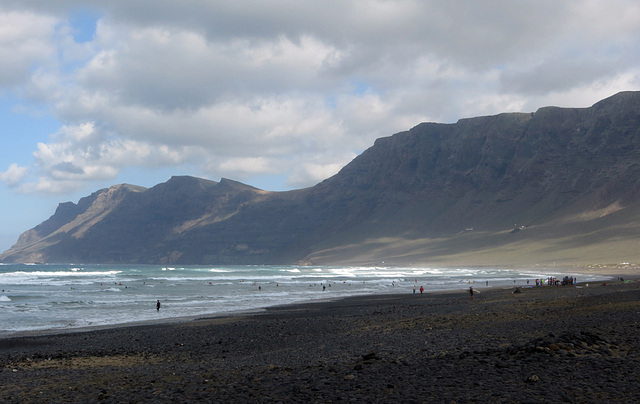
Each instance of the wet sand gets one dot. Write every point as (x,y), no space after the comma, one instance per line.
(543,345)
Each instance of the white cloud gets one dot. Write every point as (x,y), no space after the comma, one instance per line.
(25,39)
(248,165)
(81,154)
(14,175)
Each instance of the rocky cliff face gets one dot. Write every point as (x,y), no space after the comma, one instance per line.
(558,185)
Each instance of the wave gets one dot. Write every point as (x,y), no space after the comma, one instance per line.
(59,273)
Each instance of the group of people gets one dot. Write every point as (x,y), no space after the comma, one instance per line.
(553,281)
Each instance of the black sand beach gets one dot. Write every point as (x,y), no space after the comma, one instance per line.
(543,345)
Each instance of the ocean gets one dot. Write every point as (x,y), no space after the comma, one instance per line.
(41,298)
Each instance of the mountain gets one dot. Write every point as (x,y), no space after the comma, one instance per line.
(561,185)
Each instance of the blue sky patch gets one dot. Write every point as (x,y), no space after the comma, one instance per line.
(83,22)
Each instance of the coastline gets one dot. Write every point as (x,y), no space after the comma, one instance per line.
(479,286)
(436,347)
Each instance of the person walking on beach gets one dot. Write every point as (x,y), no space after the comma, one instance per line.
(421,289)
(470,292)
(158,305)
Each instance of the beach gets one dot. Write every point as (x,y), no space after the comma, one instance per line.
(541,345)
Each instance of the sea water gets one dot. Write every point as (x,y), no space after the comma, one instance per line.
(67,297)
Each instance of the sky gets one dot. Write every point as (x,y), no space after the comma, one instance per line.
(276,94)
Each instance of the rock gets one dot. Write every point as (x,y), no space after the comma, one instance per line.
(533,379)
(370,356)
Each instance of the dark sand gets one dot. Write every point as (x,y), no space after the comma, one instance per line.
(543,345)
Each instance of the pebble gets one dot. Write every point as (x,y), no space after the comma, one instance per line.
(354,350)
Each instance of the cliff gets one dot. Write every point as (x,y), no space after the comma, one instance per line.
(561,185)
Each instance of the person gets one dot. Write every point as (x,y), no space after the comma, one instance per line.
(414,289)
(471,292)
(421,289)
(158,305)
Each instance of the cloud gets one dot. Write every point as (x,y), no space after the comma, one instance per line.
(14,175)
(296,89)
(80,154)
(25,40)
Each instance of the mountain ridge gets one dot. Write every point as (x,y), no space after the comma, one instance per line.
(556,185)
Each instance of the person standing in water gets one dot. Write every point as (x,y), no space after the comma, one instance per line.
(158,305)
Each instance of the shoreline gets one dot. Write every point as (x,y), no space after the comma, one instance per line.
(435,347)
(240,313)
